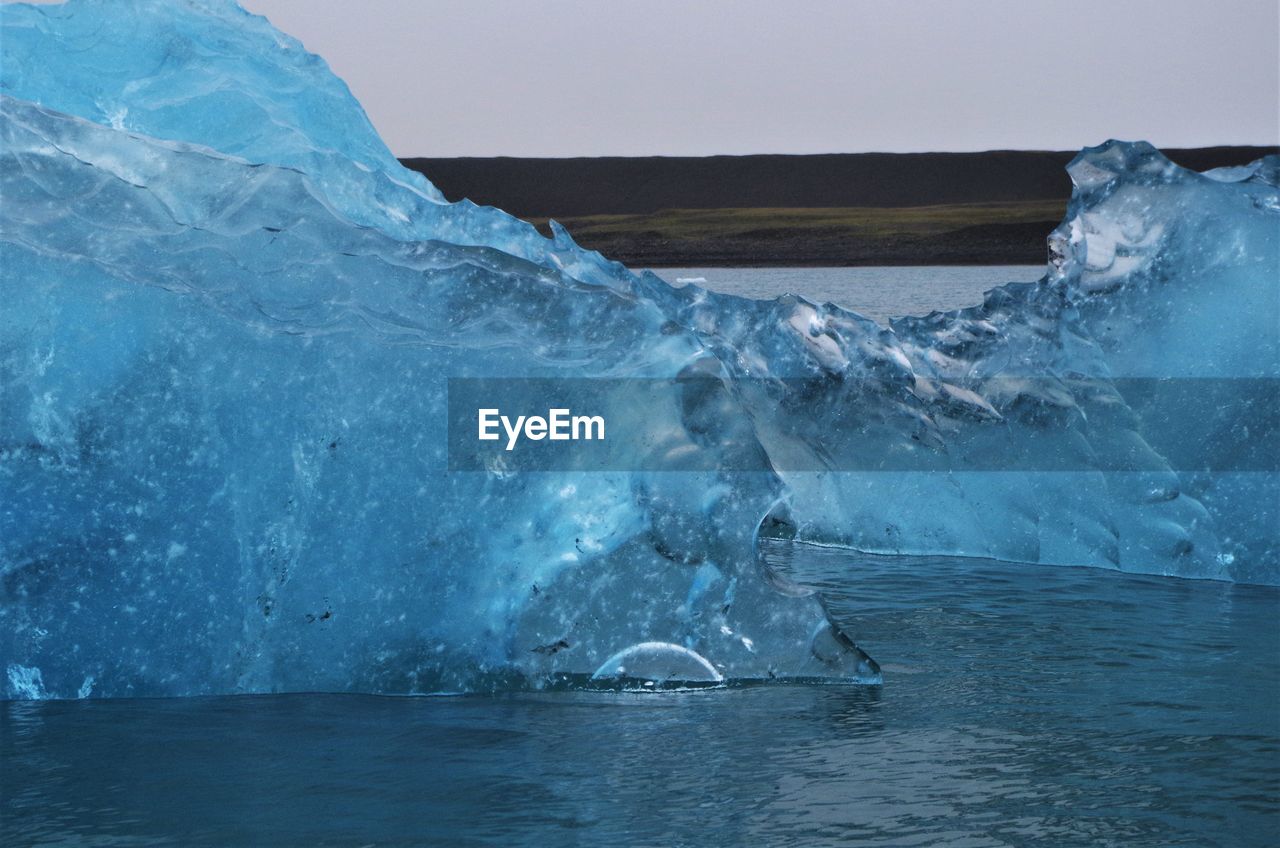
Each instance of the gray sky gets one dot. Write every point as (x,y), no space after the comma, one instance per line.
(558,78)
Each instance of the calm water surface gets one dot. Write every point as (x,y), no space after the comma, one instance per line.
(878,293)
(1021,705)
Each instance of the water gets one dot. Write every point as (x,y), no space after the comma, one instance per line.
(1022,705)
(879,293)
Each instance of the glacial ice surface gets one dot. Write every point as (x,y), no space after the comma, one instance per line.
(228,320)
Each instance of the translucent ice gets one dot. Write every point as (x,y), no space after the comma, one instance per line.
(228,322)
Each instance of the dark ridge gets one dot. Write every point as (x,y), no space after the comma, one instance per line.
(841,209)
(540,188)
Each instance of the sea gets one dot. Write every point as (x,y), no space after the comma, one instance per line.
(1022,705)
(879,293)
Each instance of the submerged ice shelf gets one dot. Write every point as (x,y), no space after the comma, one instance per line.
(229,321)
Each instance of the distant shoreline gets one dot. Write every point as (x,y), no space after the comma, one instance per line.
(798,264)
(856,209)
(1010,233)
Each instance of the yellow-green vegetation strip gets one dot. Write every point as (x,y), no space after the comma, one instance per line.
(855,221)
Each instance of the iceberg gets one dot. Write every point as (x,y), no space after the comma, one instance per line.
(231,323)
